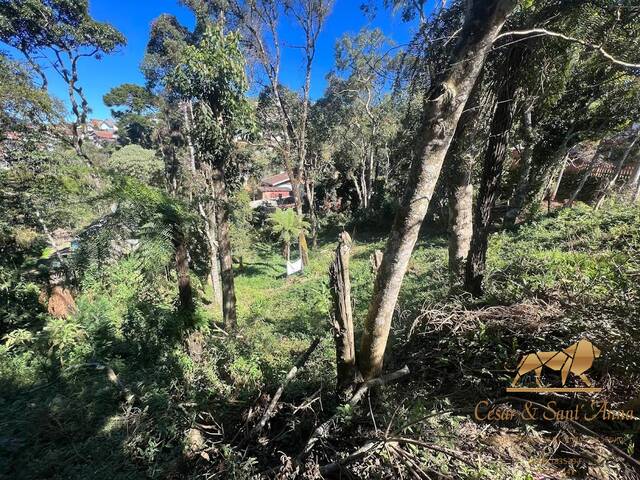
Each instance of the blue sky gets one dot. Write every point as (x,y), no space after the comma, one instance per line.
(133,18)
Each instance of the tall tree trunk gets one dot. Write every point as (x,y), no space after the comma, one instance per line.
(296,186)
(610,183)
(208,214)
(313,216)
(522,189)
(556,186)
(171,168)
(459,163)
(585,176)
(460,216)
(491,174)
(224,249)
(304,248)
(443,106)
(343,317)
(185,292)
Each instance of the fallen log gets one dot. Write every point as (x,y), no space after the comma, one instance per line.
(269,412)
(323,428)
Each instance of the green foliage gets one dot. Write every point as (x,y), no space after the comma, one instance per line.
(135,129)
(134,110)
(287,225)
(130,97)
(24,108)
(578,254)
(137,162)
(64,336)
(29,25)
(212,73)
(243,235)
(168,38)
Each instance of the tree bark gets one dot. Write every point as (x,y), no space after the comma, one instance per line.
(491,175)
(224,249)
(585,177)
(556,187)
(459,163)
(340,284)
(185,292)
(522,189)
(443,106)
(460,216)
(296,186)
(208,213)
(313,216)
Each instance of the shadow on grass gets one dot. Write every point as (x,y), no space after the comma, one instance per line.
(77,424)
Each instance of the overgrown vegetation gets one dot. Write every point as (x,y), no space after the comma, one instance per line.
(150,324)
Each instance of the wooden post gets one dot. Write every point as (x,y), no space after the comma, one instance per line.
(342,317)
(376,261)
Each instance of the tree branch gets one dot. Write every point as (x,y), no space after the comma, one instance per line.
(584,43)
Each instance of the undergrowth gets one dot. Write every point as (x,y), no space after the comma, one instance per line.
(549,282)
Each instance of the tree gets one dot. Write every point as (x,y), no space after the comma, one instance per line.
(362,111)
(459,163)
(25,110)
(287,225)
(259,23)
(133,108)
(494,157)
(573,106)
(211,76)
(137,162)
(443,106)
(582,83)
(131,97)
(58,33)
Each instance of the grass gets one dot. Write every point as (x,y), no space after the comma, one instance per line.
(549,282)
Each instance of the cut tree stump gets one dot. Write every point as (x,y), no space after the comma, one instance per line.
(342,317)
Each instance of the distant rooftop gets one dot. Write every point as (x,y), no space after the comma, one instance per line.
(275,180)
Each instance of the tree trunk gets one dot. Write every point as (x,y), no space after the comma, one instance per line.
(340,284)
(522,189)
(556,187)
(614,178)
(185,292)
(459,163)
(297,196)
(548,189)
(304,248)
(211,230)
(584,178)
(313,217)
(460,216)
(443,106)
(172,169)
(224,249)
(491,175)
(185,106)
